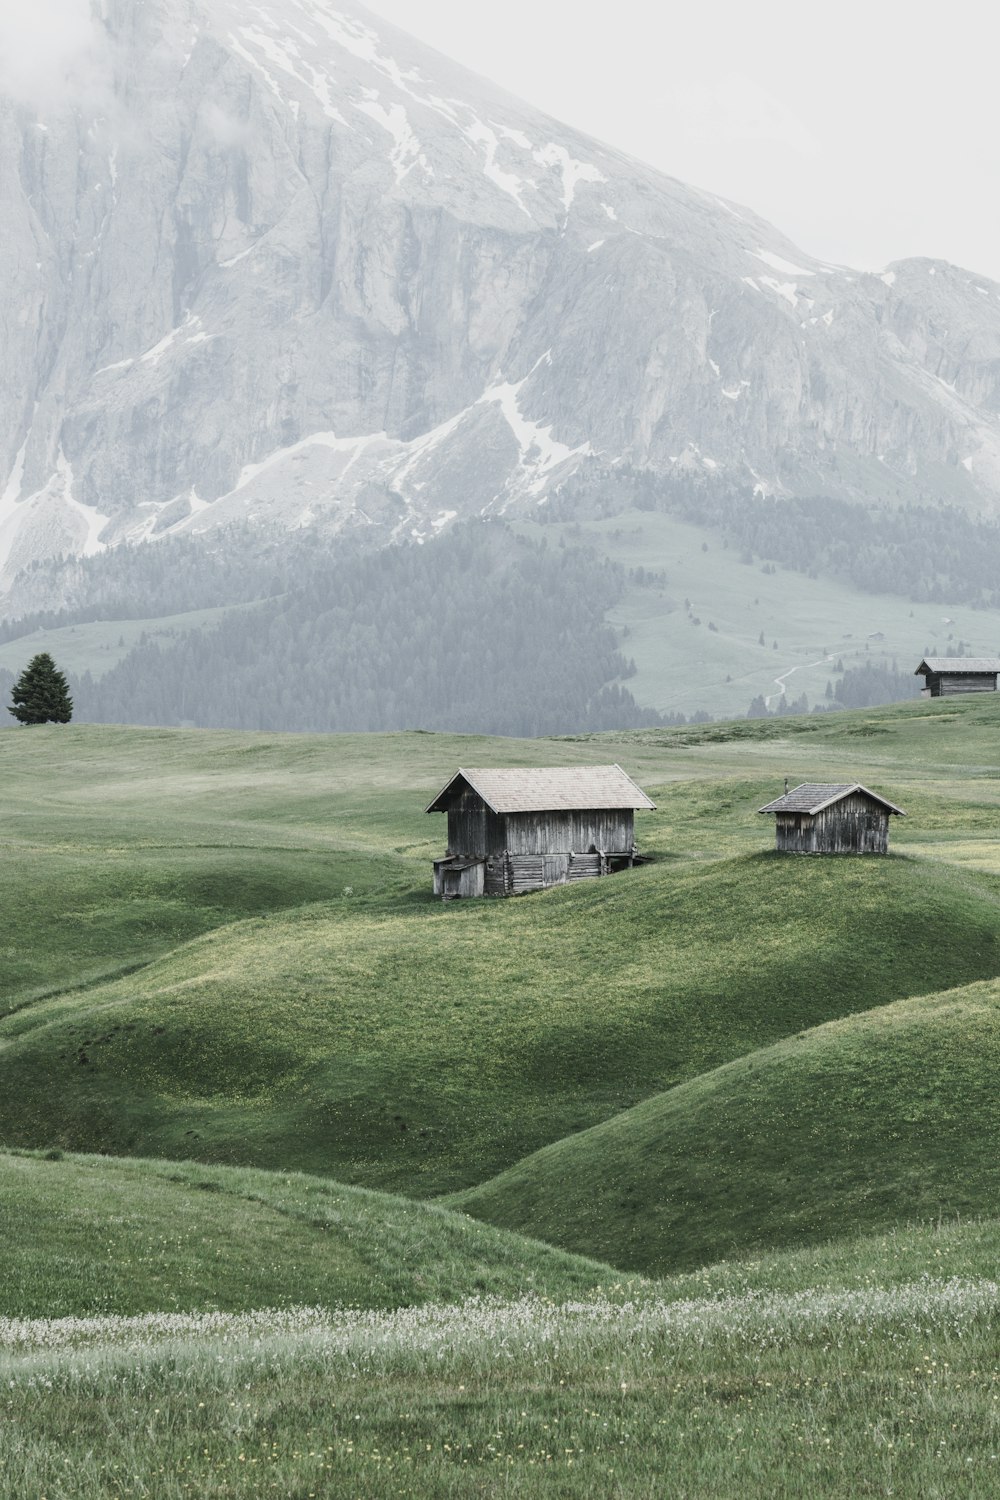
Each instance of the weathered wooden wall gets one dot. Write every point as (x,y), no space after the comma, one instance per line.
(473,828)
(851,826)
(611,832)
(944,684)
(476,831)
(454,879)
(511,874)
(531,850)
(470,881)
(459,878)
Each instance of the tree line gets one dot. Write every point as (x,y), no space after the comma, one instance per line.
(929,553)
(479,631)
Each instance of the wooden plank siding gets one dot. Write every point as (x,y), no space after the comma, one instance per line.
(610,832)
(528,873)
(945,685)
(473,828)
(853,825)
(944,676)
(476,832)
(505,837)
(458,877)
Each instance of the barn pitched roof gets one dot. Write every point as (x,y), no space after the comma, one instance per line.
(958,664)
(813,796)
(547,789)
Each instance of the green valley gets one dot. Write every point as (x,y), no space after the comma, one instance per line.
(251,1070)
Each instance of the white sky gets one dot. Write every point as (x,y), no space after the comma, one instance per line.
(866,131)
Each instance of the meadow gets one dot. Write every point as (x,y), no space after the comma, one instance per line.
(829,1392)
(696,641)
(691,1171)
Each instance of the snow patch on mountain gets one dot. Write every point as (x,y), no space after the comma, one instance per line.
(284,54)
(540,451)
(570,170)
(188,332)
(48,522)
(407,153)
(786,289)
(778,263)
(508,182)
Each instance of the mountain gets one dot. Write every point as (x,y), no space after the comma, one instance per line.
(280,263)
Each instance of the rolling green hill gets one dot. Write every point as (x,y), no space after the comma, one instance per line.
(420,1047)
(223,946)
(84,1236)
(862,1123)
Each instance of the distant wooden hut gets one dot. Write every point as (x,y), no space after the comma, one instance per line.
(511,831)
(822,817)
(946,675)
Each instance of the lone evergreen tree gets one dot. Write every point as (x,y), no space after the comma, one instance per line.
(41,693)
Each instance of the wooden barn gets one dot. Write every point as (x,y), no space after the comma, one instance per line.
(945,675)
(511,831)
(822,817)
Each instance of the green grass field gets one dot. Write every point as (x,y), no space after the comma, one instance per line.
(835,1126)
(85,1236)
(418,1047)
(744,1075)
(868,1381)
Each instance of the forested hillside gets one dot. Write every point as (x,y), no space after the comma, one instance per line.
(936,553)
(479,631)
(166,577)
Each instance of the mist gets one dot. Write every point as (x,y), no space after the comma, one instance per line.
(52,53)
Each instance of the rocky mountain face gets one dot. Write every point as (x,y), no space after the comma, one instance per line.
(280,262)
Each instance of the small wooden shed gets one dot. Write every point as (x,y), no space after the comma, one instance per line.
(821,817)
(514,830)
(945,675)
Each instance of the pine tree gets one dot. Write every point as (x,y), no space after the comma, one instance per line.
(41,693)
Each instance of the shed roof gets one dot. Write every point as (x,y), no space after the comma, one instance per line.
(814,796)
(547,789)
(959,664)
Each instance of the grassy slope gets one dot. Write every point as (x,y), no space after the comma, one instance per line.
(752,1397)
(422,1047)
(85,1236)
(682,666)
(119,844)
(88,1236)
(880,1109)
(382,1037)
(853,1124)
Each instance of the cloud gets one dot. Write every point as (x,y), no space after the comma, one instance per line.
(52,53)
(733,108)
(224,127)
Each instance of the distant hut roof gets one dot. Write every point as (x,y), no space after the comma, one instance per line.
(813,796)
(546,789)
(958,664)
